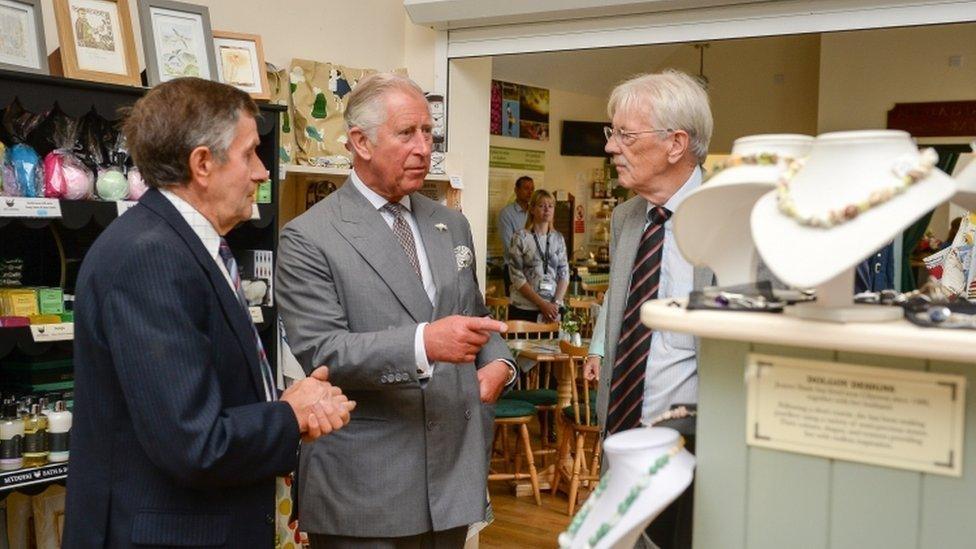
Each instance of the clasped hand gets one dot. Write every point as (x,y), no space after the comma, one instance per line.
(319,406)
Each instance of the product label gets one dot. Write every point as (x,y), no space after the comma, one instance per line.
(12,448)
(36,442)
(29,207)
(53,332)
(58,442)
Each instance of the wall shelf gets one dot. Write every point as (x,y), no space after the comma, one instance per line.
(289,169)
(33,480)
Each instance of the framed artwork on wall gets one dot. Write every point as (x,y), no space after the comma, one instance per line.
(22,45)
(177,40)
(96,41)
(240,62)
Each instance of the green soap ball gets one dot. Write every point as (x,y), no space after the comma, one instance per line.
(112,185)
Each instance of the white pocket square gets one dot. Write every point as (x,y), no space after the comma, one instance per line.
(463,256)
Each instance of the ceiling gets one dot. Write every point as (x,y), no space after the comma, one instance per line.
(589,72)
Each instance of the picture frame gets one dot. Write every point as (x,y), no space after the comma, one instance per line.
(96,42)
(240,63)
(22,46)
(177,39)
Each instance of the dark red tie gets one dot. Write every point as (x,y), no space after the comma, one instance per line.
(627,380)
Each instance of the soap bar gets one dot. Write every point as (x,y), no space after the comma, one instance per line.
(50,301)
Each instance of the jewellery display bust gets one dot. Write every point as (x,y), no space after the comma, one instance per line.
(646,470)
(712,224)
(843,170)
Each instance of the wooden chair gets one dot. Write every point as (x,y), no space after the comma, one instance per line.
(535,388)
(595,290)
(579,422)
(516,414)
(498,307)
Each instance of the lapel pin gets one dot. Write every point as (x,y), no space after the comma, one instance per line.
(440,227)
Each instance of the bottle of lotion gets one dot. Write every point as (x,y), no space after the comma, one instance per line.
(58,427)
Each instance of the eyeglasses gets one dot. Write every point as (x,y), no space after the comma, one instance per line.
(628,138)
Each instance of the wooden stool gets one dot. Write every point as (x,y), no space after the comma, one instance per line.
(580,420)
(518,414)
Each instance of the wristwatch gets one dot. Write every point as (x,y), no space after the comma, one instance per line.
(512,373)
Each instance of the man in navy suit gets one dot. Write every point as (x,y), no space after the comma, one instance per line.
(179,431)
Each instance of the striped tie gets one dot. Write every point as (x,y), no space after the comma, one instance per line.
(267,377)
(627,381)
(401,229)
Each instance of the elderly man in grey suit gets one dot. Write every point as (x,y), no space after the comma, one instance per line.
(378,282)
(661,128)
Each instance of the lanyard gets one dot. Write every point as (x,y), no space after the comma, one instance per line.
(545,256)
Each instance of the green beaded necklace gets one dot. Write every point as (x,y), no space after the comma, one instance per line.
(566,538)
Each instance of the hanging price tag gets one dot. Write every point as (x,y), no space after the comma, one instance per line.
(257,316)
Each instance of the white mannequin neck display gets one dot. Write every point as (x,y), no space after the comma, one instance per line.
(711,225)
(630,454)
(844,169)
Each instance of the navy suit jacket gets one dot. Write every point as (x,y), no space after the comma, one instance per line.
(173,443)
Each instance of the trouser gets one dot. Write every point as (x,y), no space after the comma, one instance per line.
(445,539)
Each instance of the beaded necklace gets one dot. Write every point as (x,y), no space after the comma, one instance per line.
(758,159)
(566,538)
(909,169)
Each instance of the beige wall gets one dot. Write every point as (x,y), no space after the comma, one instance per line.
(365,33)
(863,74)
(564,173)
(763,85)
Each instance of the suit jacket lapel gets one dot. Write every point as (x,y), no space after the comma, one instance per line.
(440,252)
(622,262)
(368,233)
(238,318)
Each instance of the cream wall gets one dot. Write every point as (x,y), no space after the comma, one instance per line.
(564,173)
(365,33)
(863,74)
(762,85)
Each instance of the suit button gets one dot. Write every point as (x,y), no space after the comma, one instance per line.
(467,414)
(401,377)
(269,518)
(430,425)
(384,378)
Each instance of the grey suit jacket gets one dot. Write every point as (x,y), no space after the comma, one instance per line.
(414,455)
(627,225)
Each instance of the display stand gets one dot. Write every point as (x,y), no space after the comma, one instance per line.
(747,497)
(606,519)
(835,303)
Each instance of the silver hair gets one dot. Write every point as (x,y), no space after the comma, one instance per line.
(673,100)
(366,106)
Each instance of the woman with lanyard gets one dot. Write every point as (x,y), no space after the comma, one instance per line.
(538,266)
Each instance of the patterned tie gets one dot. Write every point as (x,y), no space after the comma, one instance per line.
(401,229)
(627,381)
(228,257)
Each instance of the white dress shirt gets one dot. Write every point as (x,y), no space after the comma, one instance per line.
(424,368)
(203,229)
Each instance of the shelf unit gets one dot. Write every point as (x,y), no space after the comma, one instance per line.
(297,178)
(81,221)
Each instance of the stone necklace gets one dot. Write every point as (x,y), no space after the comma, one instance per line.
(566,538)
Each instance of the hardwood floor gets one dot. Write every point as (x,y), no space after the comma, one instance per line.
(519,522)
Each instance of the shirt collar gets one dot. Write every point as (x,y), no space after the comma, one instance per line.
(694,181)
(376,200)
(201,225)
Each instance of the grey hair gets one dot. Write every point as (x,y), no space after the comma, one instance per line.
(674,100)
(366,108)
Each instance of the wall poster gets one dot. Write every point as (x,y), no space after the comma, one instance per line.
(519,111)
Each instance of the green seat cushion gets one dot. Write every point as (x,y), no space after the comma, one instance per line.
(513,408)
(568,412)
(538,397)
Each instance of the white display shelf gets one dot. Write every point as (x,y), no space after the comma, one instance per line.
(344,172)
(897,338)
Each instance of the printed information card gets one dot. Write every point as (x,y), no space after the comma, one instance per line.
(881,416)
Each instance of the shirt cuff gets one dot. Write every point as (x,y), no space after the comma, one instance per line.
(424,369)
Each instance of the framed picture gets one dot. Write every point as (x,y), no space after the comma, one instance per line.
(240,62)
(177,40)
(96,41)
(22,45)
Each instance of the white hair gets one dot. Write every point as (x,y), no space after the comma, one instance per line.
(366,106)
(674,100)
